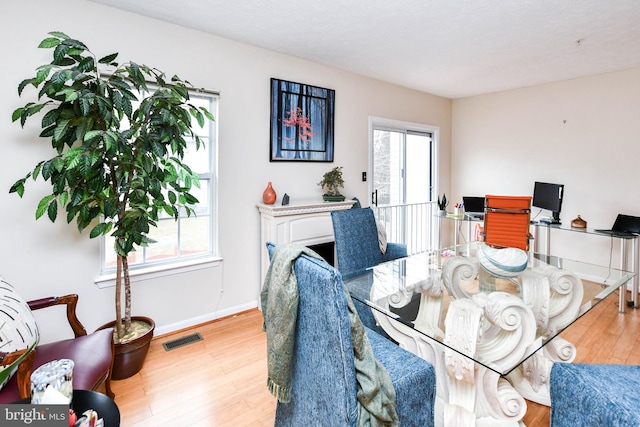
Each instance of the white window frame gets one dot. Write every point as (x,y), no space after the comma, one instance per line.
(182,263)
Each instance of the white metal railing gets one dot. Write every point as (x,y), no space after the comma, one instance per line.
(414,224)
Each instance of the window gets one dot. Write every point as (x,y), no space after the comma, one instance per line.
(189,239)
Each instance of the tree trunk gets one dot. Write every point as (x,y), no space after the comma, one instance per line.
(118,296)
(127,295)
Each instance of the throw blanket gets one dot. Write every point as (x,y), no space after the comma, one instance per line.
(279,298)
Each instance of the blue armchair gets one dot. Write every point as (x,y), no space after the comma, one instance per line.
(323,389)
(357,246)
(593,395)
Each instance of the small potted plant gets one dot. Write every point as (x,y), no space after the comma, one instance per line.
(331,182)
(442,205)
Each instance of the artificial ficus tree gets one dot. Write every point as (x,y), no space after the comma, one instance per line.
(120,133)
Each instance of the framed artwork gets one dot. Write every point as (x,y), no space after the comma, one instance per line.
(302,122)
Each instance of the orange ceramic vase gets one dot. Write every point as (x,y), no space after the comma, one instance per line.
(269,195)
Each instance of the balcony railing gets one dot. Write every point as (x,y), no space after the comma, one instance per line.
(414,224)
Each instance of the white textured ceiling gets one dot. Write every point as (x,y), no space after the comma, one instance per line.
(451,48)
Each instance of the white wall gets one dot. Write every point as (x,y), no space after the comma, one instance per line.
(45,259)
(584,133)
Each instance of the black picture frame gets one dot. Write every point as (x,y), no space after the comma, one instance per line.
(302,122)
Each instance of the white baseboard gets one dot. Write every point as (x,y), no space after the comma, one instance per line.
(194,321)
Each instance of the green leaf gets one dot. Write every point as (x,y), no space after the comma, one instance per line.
(42,73)
(85,106)
(52,210)
(172,197)
(73,157)
(70,95)
(48,132)
(63,198)
(59,34)
(169,210)
(47,169)
(85,166)
(100,229)
(49,43)
(36,170)
(108,59)
(35,108)
(198,115)
(58,79)
(60,52)
(58,164)
(17,113)
(92,134)
(181,90)
(18,186)
(61,129)
(208,114)
(75,44)
(86,64)
(43,206)
(25,82)
(110,138)
(190,199)
(50,118)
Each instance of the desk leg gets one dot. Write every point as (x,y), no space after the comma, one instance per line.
(536,239)
(456,232)
(547,241)
(622,297)
(634,258)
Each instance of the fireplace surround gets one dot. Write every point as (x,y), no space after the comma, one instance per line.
(305,223)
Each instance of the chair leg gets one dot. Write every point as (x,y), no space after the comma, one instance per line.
(107,383)
(107,387)
(24,375)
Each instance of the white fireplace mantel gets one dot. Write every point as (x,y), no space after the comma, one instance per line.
(305,223)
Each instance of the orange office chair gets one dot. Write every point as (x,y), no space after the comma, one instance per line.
(506,221)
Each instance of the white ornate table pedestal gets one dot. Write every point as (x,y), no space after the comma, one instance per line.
(496,327)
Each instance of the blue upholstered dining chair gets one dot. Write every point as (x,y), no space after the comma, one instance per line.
(595,395)
(357,245)
(323,388)
(358,248)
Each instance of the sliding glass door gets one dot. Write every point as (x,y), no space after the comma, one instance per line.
(402,167)
(403,180)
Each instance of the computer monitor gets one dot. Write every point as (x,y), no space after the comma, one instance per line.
(549,196)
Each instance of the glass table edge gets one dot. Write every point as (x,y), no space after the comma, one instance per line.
(626,276)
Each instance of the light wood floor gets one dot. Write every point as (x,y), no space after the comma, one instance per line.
(220,381)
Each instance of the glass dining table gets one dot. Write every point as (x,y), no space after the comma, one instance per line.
(487,318)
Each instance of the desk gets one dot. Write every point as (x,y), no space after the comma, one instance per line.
(626,243)
(491,340)
(458,220)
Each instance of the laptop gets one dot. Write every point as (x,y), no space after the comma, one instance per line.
(624,226)
(473,207)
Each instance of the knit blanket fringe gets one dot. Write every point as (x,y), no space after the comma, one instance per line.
(283,394)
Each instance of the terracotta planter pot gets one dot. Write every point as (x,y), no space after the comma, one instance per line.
(129,356)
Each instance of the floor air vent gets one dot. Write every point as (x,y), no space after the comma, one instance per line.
(181,342)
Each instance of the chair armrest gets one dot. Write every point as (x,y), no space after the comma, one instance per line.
(71,301)
(25,368)
(395,251)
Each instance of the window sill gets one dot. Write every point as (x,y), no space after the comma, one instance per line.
(138,275)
